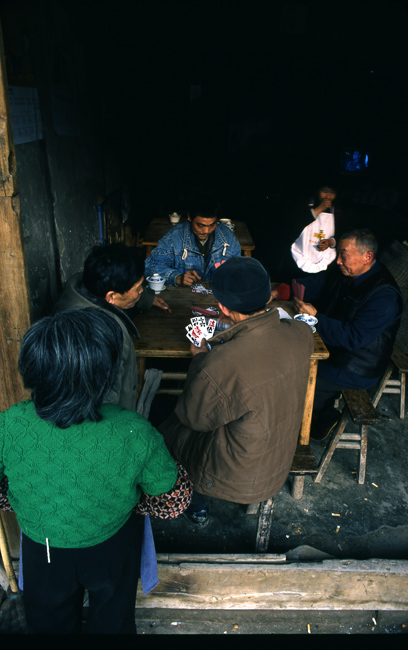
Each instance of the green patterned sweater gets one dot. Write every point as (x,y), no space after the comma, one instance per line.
(76,487)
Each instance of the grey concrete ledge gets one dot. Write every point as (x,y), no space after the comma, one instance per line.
(374,584)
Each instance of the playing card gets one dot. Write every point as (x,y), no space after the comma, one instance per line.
(199,328)
(210,327)
(193,340)
(197,332)
(199,288)
(199,320)
(298,289)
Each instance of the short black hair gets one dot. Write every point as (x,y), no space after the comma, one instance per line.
(70,362)
(203,204)
(112,267)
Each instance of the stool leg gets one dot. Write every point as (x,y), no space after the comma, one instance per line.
(382,385)
(331,449)
(264,526)
(363,454)
(402,402)
(297,487)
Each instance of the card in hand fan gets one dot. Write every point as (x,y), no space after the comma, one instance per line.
(298,289)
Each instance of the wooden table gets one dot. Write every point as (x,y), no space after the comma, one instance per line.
(163,336)
(160,225)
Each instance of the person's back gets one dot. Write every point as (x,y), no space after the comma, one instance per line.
(236,425)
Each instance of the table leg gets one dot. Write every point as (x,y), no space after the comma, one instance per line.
(247,253)
(304,436)
(309,399)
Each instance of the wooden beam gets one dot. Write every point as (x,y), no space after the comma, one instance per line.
(15,310)
(15,304)
(328,585)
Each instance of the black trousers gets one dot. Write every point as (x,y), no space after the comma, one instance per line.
(326,393)
(53,591)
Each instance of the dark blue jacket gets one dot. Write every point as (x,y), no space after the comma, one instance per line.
(358,322)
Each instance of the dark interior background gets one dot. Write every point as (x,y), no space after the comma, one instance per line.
(257,101)
(253,101)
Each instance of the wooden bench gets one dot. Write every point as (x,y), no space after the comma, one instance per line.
(303,464)
(360,410)
(399,362)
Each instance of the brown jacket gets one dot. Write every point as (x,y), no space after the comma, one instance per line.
(236,425)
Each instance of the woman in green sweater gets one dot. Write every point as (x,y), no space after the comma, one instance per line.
(76,468)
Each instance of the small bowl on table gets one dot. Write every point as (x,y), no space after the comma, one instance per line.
(308,319)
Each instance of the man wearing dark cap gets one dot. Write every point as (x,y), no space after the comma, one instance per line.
(236,425)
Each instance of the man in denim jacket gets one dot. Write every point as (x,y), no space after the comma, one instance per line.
(190,252)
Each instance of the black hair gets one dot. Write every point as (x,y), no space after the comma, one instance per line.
(366,241)
(112,267)
(316,201)
(203,204)
(70,362)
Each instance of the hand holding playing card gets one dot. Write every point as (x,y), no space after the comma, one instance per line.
(304,307)
(199,329)
(203,348)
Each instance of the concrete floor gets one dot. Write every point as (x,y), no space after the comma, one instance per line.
(337,517)
(237,623)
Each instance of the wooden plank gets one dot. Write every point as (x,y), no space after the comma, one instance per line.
(328,585)
(14,294)
(360,406)
(304,461)
(220,558)
(400,359)
(15,304)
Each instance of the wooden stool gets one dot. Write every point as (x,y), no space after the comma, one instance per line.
(399,362)
(303,464)
(360,410)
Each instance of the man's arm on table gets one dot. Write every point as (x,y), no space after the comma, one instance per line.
(379,311)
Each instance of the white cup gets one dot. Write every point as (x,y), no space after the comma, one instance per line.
(156,282)
(174,218)
(228,223)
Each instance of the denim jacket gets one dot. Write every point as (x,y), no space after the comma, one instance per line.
(177,252)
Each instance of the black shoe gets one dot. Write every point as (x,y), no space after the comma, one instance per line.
(321,433)
(199,519)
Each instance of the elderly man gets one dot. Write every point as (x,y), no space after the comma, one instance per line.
(112,281)
(235,426)
(358,311)
(190,252)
